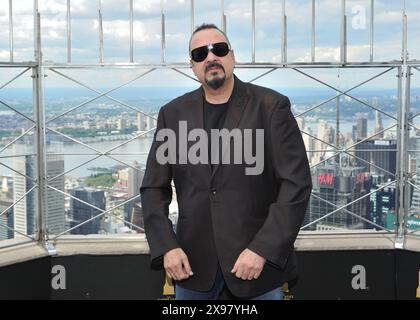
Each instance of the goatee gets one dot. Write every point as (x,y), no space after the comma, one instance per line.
(216,82)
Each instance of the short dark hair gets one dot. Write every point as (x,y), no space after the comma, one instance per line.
(206,26)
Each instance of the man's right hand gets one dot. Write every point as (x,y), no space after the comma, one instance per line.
(176,264)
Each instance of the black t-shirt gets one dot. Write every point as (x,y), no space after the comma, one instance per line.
(214,118)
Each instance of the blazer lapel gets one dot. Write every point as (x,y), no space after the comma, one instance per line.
(237,104)
(196,121)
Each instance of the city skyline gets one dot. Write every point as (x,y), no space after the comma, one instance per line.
(325,131)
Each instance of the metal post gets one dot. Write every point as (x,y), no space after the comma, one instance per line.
(35,30)
(131,32)
(223,16)
(284,33)
(402,160)
(253,31)
(68,32)
(403,134)
(192,16)
(313,33)
(11,30)
(162,51)
(38,75)
(343,36)
(337,124)
(372,26)
(404,56)
(101,35)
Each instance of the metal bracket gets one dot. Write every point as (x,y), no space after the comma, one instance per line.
(52,251)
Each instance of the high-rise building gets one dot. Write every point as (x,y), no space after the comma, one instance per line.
(135,178)
(382,154)
(150,123)
(415,200)
(82,212)
(121,124)
(339,186)
(309,142)
(26,210)
(137,216)
(361,126)
(300,122)
(412,157)
(141,122)
(55,199)
(382,204)
(5,185)
(6,219)
(326,133)
(378,125)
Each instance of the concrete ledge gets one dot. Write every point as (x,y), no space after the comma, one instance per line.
(15,251)
(412,243)
(21,252)
(100,245)
(345,241)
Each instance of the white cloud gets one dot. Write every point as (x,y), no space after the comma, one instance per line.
(119,30)
(145,6)
(4,55)
(147,29)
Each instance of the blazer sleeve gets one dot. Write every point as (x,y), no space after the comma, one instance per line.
(156,195)
(274,241)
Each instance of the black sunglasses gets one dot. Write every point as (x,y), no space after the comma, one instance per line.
(220,49)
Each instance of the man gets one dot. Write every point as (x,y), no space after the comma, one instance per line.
(234,230)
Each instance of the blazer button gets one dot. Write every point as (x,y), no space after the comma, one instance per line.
(213,192)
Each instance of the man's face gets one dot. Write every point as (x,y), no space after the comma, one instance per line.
(213,70)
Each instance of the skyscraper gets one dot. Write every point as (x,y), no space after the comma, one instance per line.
(361,126)
(121,124)
(141,122)
(151,123)
(6,219)
(135,178)
(415,201)
(26,210)
(82,212)
(376,152)
(327,134)
(378,125)
(339,186)
(309,142)
(55,199)
(382,204)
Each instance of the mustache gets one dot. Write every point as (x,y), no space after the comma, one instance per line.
(214,64)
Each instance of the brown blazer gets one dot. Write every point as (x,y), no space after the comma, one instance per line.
(225,211)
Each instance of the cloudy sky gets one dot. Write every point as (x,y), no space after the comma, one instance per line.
(85,43)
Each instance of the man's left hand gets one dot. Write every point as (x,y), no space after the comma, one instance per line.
(249,265)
